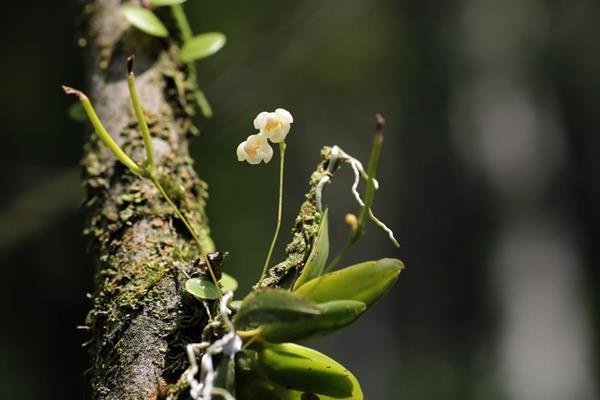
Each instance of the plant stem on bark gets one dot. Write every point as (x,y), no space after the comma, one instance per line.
(143,251)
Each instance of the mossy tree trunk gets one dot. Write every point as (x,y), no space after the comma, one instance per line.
(142,250)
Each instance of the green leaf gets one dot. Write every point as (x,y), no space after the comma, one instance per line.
(145,20)
(77,113)
(228,282)
(202,46)
(273,305)
(252,383)
(303,369)
(335,315)
(318,255)
(202,289)
(366,282)
(162,3)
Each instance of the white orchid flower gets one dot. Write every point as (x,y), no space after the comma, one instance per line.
(274,125)
(255,149)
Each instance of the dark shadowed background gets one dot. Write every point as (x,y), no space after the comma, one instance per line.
(489,177)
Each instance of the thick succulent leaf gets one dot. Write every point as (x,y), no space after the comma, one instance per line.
(253,384)
(305,370)
(202,289)
(162,3)
(273,305)
(366,282)
(335,315)
(228,282)
(145,20)
(202,46)
(318,255)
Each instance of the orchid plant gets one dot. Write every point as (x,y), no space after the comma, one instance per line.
(248,351)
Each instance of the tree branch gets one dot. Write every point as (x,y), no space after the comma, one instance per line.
(143,251)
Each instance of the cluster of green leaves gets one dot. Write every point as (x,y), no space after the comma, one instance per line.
(193,47)
(318,303)
(269,366)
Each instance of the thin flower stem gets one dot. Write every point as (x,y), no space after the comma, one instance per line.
(103,133)
(183,219)
(282,147)
(139,113)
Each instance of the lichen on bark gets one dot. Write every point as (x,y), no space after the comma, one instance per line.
(143,251)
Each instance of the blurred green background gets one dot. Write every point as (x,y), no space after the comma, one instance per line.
(489,177)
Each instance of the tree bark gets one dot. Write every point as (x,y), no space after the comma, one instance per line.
(143,251)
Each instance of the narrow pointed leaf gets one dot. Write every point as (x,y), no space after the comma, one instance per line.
(366,282)
(202,46)
(145,20)
(273,305)
(335,315)
(315,263)
(162,3)
(228,282)
(202,289)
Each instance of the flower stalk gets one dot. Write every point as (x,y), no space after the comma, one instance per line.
(282,147)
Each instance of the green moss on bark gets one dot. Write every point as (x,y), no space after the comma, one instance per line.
(143,251)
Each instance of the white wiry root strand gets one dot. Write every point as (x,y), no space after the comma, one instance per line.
(359,171)
(229,345)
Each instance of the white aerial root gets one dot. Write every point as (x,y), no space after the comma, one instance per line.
(229,345)
(357,167)
(327,177)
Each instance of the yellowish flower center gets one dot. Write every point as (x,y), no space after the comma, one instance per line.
(251,148)
(272,124)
